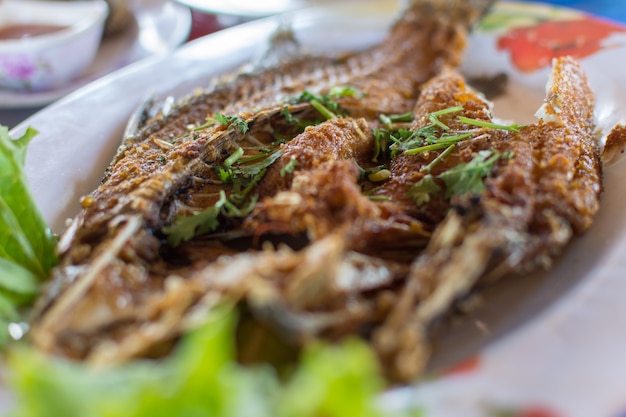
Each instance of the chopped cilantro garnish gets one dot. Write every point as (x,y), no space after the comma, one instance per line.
(186,227)
(289,118)
(422,190)
(339,91)
(434,117)
(434,136)
(482,123)
(379,197)
(231,122)
(244,177)
(390,141)
(381,144)
(467,178)
(323,110)
(389,119)
(289,167)
(325,104)
(250,170)
(439,158)
(442,143)
(228,162)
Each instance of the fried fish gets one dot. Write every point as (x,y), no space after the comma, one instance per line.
(326,197)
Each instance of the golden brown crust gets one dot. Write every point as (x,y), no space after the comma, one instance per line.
(614,145)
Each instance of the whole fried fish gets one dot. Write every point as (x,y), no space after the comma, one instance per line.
(328,196)
(532,205)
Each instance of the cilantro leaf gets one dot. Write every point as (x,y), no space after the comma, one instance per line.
(468,178)
(251,170)
(433,136)
(339,91)
(289,167)
(324,104)
(186,227)
(231,122)
(389,119)
(489,125)
(244,177)
(422,190)
(289,117)
(381,144)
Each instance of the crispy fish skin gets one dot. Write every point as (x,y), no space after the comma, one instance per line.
(336,139)
(448,89)
(157,163)
(111,256)
(534,203)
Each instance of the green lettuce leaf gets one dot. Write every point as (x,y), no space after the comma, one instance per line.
(27,247)
(201,378)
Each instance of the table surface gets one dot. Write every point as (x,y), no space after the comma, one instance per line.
(202,24)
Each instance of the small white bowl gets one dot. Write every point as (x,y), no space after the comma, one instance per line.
(49,60)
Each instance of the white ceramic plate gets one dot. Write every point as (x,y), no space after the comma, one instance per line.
(251,8)
(550,344)
(156,29)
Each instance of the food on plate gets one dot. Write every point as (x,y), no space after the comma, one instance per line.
(335,196)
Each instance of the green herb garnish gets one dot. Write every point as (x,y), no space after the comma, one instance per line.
(443,142)
(289,117)
(439,158)
(27,246)
(382,138)
(289,167)
(187,227)
(433,136)
(379,197)
(339,91)
(434,117)
(468,178)
(232,158)
(230,122)
(422,190)
(244,177)
(462,179)
(325,104)
(389,119)
(489,125)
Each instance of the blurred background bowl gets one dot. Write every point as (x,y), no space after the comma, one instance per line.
(45,44)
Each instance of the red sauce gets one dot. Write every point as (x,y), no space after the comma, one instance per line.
(27,31)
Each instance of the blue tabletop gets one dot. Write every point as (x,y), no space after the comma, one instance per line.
(610,9)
